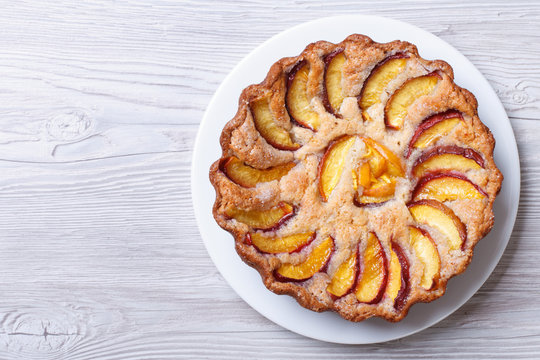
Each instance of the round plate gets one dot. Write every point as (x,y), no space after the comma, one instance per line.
(284,310)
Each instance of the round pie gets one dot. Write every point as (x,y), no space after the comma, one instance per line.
(357,177)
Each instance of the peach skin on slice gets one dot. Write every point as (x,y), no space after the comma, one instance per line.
(374,275)
(297,101)
(404,281)
(397,107)
(450,157)
(269,219)
(344,278)
(433,128)
(332,164)
(426,251)
(247,176)
(332,91)
(276,245)
(268,128)
(379,78)
(369,201)
(315,262)
(446,186)
(440,217)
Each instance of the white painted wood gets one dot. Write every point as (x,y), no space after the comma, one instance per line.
(100,256)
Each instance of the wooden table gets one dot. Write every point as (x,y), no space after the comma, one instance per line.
(100,254)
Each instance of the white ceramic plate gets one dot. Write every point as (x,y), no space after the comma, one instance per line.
(284,310)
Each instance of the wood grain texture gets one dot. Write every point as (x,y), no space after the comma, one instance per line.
(100,253)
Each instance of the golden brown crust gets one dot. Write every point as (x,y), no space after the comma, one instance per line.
(240,138)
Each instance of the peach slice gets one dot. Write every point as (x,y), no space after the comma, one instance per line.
(247,176)
(315,262)
(268,128)
(377,194)
(377,175)
(381,189)
(426,251)
(379,78)
(395,167)
(394,276)
(446,186)
(433,128)
(397,107)
(332,164)
(404,281)
(276,245)
(344,278)
(369,201)
(374,276)
(364,176)
(332,90)
(297,101)
(440,217)
(378,165)
(371,170)
(262,219)
(447,158)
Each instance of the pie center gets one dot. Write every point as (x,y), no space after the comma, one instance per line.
(374,176)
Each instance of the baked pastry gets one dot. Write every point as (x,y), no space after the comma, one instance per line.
(357,177)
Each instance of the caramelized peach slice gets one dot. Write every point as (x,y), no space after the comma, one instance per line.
(433,128)
(297,101)
(381,189)
(364,176)
(344,277)
(314,263)
(440,217)
(262,219)
(369,172)
(332,164)
(447,186)
(333,92)
(426,251)
(276,245)
(395,167)
(268,128)
(404,289)
(377,175)
(447,158)
(377,194)
(378,165)
(374,276)
(247,176)
(397,107)
(379,78)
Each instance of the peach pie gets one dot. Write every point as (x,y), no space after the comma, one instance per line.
(357,177)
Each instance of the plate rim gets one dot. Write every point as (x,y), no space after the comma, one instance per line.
(196,181)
